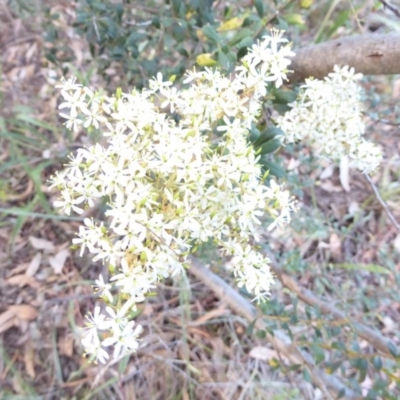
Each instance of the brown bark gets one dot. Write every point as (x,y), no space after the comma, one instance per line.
(370,54)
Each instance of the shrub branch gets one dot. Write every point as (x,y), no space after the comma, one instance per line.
(371,336)
(370,54)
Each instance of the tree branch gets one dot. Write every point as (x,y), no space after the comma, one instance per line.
(370,335)
(370,54)
(329,384)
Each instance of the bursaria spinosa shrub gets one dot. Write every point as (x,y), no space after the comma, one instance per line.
(178,170)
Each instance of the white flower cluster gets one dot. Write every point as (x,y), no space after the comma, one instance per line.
(172,181)
(328,115)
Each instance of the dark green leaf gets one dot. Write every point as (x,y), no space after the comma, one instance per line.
(285,96)
(176,5)
(246,42)
(259,5)
(261,334)
(211,34)
(393,349)
(273,168)
(156,22)
(268,134)
(281,108)
(377,362)
(270,146)
(224,61)
(254,134)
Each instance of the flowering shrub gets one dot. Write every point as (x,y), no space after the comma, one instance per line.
(328,115)
(178,178)
(171,181)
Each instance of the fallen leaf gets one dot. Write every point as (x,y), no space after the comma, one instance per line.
(34,265)
(57,262)
(354,208)
(335,244)
(23,280)
(15,315)
(7,320)
(327,172)
(66,345)
(18,269)
(41,244)
(263,353)
(24,311)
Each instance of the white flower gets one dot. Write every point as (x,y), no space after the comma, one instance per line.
(68,203)
(328,116)
(158,83)
(172,185)
(94,349)
(103,288)
(125,341)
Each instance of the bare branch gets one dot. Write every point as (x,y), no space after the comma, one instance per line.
(370,54)
(329,384)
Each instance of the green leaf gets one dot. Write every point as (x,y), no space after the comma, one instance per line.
(281,108)
(331,367)
(224,61)
(270,146)
(273,168)
(268,134)
(317,353)
(285,96)
(306,375)
(261,334)
(259,5)
(363,267)
(294,19)
(254,135)
(156,22)
(362,365)
(246,42)
(211,34)
(176,5)
(393,349)
(240,36)
(377,362)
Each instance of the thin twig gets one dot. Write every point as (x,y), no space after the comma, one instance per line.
(383,203)
(393,9)
(329,384)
